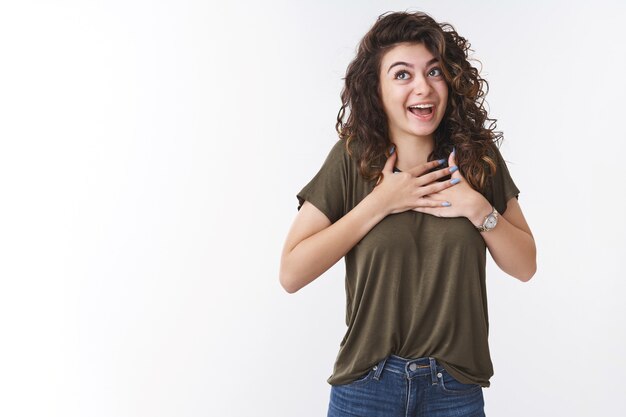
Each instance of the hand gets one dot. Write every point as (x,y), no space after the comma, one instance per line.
(465,201)
(412,189)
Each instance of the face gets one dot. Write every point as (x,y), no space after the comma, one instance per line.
(411,75)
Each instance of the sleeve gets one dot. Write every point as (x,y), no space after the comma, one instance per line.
(329,187)
(503,187)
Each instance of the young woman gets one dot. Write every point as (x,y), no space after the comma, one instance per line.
(412,194)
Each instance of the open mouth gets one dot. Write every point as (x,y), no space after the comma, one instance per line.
(418,111)
(424,112)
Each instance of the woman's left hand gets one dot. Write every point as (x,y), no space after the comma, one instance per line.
(464,200)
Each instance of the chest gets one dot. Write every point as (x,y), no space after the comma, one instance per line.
(411,233)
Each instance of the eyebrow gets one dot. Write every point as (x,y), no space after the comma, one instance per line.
(410,65)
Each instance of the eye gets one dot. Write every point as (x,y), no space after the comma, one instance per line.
(395,76)
(436,69)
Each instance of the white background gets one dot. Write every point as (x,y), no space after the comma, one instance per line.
(150,154)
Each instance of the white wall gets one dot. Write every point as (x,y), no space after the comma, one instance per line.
(150,153)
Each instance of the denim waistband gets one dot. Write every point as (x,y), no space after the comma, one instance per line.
(410,367)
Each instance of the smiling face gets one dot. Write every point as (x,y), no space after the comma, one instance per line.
(411,75)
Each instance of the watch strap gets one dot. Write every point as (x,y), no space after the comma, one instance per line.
(483,227)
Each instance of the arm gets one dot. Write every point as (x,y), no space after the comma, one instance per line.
(313,244)
(510,243)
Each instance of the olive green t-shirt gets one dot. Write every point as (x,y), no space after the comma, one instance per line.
(415,283)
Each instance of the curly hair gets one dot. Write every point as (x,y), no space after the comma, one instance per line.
(365,130)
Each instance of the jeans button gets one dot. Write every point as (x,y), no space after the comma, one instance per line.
(375,367)
(439,375)
(413,366)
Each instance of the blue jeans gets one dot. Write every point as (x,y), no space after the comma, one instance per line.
(400,387)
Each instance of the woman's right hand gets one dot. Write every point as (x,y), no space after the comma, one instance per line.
(406,190)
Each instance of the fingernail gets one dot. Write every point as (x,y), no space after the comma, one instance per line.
(441,161)
(453,149)
(453,168)
(393,148)
(455,181)
(446,204)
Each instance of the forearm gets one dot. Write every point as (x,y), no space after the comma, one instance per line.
(316,254)
(512,248)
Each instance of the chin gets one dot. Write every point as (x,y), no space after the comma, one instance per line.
(422,132)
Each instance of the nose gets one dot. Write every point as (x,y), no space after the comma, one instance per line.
(421,86)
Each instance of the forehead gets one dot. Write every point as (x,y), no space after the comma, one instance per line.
(412,53)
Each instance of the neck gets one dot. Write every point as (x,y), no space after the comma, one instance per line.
(412,151)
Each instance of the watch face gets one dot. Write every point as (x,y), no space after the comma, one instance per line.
(491,221)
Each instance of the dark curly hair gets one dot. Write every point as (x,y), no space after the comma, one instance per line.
(365,130)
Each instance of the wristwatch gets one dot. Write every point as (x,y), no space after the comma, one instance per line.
(491,220)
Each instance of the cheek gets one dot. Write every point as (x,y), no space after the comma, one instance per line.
(385,98)
(444,94)
(444,102)
(393,102)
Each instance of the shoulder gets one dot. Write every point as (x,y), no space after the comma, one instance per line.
(338,155)
(493,151)
(339,150)
(345,157)
(502,187)
(495,154)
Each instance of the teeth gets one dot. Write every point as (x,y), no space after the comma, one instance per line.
(421,106)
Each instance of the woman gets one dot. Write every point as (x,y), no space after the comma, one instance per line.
(412,194)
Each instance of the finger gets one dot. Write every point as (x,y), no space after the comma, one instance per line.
(388,168)
(435,175)
(430,210)
(440,185)
(430,202)
(452,157)
(425,167)
(452,163)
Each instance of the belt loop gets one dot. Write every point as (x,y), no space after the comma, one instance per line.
(433,370)
(379,368)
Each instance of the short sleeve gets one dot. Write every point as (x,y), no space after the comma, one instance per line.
(329,187)
(503,187)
